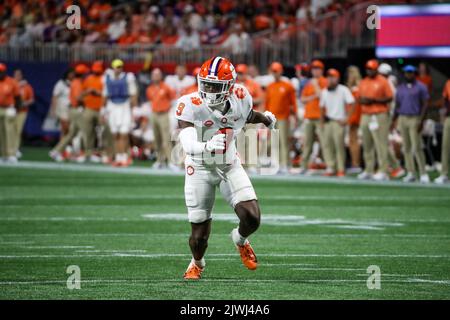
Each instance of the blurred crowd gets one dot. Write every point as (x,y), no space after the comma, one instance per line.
(183,24)
(374,118)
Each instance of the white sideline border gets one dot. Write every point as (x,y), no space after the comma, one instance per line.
(143,281)
(166,172)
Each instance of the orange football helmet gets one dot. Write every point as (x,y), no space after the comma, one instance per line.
(215,82)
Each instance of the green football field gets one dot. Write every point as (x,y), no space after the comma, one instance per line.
(127,232)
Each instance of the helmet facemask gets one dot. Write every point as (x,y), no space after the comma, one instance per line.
(215,92)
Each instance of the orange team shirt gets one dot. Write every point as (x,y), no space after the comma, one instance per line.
(161,96)
(280,97)
(76,88)
(375,88)
(91,101)
(27,93)
(255,91)
(312,108)
(9,89)
(426,80)
(355,117)
(446,94)
(191,89)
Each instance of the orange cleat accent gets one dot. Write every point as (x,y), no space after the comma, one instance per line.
(116,163)
(248,256)
(193,272)
(397,173)
(328,174)
(340,174)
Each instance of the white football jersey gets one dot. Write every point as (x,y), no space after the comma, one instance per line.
(191,108)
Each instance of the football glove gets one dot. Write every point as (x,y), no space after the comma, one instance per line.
(217,142)
(272,119)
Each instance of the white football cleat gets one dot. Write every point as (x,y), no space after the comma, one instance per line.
(11,159)
(409,177)
(157,165)
(441,179)
(364,176)
(56,156)
(80,159)
(354,170)
(380,176)
(424,179)
(95,159)
(174,167)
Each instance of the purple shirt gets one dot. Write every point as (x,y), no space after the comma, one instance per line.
(410,98)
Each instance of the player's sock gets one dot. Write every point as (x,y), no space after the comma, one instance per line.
(237,238)
(200,263)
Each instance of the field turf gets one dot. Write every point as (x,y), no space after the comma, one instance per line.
(128,234)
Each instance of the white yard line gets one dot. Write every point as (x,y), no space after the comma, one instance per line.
(169,255)
(343,198)
(143,281)
(57,247)
(149,171)
(149,235)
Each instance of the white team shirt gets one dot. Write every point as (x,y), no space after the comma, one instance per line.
(178,84)
(335,101)
(61,91)
(191,108)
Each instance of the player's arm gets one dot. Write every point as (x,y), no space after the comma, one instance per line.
(267,118)
(191,145)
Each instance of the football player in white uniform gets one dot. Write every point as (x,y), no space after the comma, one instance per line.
(210,121)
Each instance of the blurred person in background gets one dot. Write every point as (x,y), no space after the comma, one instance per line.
(310,99)
(445,152)
(257,94)
(75,114)
(60,103)
(411,106)
(281,101)
(10,102)
(333,103)
(161,96)
(302,77)
(395,169)
(189,39)
(252,86)
(120,93)
(180,80)
(375,94)
(425,77)
(193,87)
(353,80)
(27,95)
(93,102)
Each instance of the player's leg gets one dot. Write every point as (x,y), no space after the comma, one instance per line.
(198,241)
(199,196)
(368,148)
(239,193)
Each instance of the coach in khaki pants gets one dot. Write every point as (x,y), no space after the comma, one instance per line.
(10,101)
(93,102)
(160,96)
(311,98)
(375,94)
(445,153)
(27,95)
(333,105)
(410,109)
(281,101)
(75,112)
